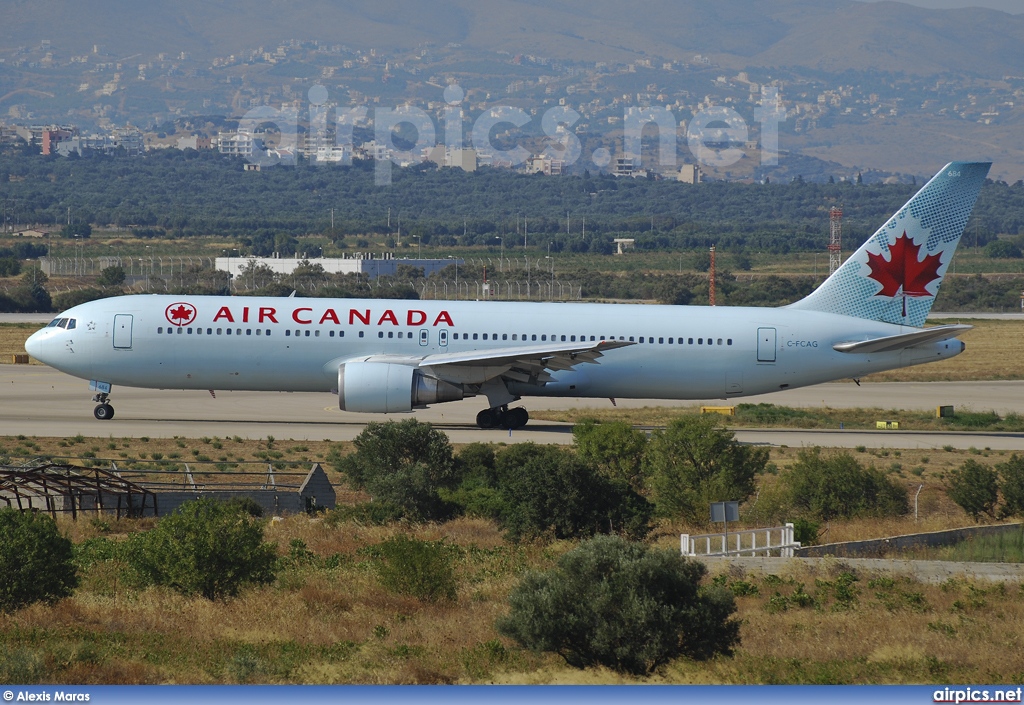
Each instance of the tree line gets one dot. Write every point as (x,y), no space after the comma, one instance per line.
(189,193)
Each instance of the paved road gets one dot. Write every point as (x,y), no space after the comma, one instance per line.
(40,401)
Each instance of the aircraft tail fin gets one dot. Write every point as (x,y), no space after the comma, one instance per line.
(895,275)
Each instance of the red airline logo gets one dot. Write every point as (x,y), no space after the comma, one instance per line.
(180,314)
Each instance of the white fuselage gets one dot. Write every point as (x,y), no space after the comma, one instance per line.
(297,344)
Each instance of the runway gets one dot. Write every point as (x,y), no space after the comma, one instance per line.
(39,401)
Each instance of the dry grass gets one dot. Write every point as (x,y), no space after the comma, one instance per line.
(338,625)
(12,340)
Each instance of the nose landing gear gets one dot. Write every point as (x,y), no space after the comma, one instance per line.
(503,417)
(103,411)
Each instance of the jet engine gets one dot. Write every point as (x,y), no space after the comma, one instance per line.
(384,387)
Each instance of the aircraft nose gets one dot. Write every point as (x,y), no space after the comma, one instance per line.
(35,346)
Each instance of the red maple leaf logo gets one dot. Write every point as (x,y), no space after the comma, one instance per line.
(903,270)
(180,314)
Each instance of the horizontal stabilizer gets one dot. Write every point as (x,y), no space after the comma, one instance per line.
(902,341)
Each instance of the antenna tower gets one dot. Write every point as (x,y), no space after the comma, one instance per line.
(711,293)
(835,239)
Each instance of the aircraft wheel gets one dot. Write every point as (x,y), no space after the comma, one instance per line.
(103,412)
(515,418)
(487,418)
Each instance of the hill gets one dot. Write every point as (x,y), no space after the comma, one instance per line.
(829,35)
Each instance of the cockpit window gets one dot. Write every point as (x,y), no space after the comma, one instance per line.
(55,322)
(71,324)
(68,323)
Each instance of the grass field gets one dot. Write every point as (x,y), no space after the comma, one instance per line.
(337,624)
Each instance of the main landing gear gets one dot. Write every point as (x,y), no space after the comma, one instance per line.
(103,411)
(503,417)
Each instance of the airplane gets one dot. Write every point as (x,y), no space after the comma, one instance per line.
(388,356)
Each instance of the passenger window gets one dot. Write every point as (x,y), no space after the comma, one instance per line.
(543,337)
(219,331)
(380,334)
(391,334)
(190,331)
(662,340)
(158,330)
(719,341)
(287,334)
(729,341)
(475,336)
(229,331)
(248,331)
(700,341)
(259,332)
(485,336)
(504,336)
(316,334)
(641,339)
(563,338)
(179,331)
(691,341)
(534,337)
(671,340)
(631,339)
(572,338)
(514,336)
(361,333)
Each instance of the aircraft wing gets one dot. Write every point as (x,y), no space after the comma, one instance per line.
(521,364)
(902,341)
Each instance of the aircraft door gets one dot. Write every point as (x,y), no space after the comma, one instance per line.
(442,338)
(766,345)
(123,331)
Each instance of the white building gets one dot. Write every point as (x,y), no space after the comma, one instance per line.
(372,264)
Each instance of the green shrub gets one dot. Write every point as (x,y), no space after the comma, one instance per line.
(975,487)
(1011,474)
(616,449)
(422,569)
(547,490)
(208,548)
(36,562)
(837,485)
(619,604)
(693,463)
(406,464)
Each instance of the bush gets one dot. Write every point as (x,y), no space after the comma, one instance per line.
(615,449)
(975,487)
(36,562)
(208,548)
(1012,485)
(618,604)
(693,463)
(546,490)
(829,487)
(405,464)
(422,569)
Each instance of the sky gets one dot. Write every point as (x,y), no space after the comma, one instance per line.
(1014,7)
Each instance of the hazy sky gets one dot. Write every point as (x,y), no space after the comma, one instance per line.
(1015,7)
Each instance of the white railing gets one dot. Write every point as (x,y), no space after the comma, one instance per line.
(776,540)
